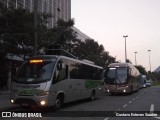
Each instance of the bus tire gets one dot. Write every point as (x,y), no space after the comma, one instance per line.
(59,102)
(93,95)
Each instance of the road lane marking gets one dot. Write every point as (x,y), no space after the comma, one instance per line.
(133,99)
(106,118)
(157,118)
(130,102)
(152,108)
(125,105)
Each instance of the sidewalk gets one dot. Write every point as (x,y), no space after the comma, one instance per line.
(4,100)
(4,91)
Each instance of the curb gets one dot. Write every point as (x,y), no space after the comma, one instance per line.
(4,92)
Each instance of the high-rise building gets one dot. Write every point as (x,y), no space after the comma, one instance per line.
(57,9)
(62,9)
(80,35)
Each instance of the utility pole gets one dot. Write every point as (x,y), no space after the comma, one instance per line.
(149,60)
(125,48)
(35,27)
(135,58)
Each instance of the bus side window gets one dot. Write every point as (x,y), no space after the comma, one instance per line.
(61,72)
(64,71)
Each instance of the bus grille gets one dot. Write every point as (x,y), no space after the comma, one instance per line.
(25,100)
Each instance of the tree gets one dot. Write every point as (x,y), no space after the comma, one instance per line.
(63,34)
(129,61)
(155,76)
(92,51)
(141,69)
(16,35)
(17,30)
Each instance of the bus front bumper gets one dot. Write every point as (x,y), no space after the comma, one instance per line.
(41,101)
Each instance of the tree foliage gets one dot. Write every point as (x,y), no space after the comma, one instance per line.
(17,35)
(128,61)
(17,31)
(141,69)
(92,51)
(155,76)
(63,34)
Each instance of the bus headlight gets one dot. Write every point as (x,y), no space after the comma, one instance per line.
(12,101)
(107,90)
(43,102)
(124,91)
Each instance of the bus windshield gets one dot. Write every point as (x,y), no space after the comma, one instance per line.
(35,71)
(117,75)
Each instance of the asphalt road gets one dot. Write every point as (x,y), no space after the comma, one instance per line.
(136,106)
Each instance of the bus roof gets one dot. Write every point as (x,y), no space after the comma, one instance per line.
(68,58)
(119,65)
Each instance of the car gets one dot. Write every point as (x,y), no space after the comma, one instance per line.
(144,85)
(148,83)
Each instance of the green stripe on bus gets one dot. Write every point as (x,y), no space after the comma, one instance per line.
(92,83)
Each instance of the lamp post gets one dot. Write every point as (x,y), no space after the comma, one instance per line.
(35,27)
(149,60)
(135,58)
(125,48)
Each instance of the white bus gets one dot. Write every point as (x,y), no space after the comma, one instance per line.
(51,80)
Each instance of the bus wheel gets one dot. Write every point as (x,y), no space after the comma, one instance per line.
(93,95)
(59,102)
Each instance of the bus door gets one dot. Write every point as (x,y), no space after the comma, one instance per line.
(61,82)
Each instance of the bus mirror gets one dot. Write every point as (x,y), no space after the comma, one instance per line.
(59,65)
(129,71)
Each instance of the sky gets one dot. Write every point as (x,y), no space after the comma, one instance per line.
(107,21)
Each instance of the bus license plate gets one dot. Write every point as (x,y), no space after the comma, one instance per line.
(25,104)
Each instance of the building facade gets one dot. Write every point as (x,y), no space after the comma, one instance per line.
(57,9)
(80,35)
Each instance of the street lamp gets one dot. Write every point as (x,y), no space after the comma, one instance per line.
(135,58)
(125,48)
(149,60)
(35,27)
